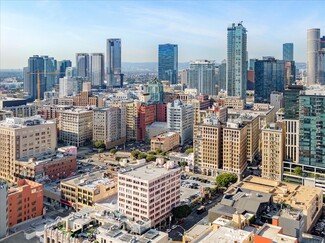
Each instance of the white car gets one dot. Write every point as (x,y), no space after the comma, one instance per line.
(174,227)
(168,230)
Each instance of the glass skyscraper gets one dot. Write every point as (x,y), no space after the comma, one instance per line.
(291,101)
(202,76)
(97,70)
(287,52)
(168,63)
(269,76)
(35,64)
(50,66)
(114,76)
(236,60)
(62,66)
(82,63)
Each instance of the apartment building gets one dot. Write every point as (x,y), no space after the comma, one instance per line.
(272,151)
(234,148)
(86,99)
(180,119)
(149,192)
(85,190)
(234,102)
(207,146)
(165,141)
(3,209)
(25,201)
(308,199)
(24,138)
(46,167)
(110,126)
(131,120)
(76,127)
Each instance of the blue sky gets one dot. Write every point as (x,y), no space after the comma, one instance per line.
(63,28)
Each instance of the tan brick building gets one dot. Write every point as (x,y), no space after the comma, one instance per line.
(165,141)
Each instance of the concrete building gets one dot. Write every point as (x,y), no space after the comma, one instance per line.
(155,129)
(82,64)
(149,192)
(313,48)
(276,100)
(165,141)
(207,146)
(46,167)
(291,152)
(235,103)
(86,99)
(272,233)
(272,151)
(24,137)
(131,120)
(97,70)
(5,114)
(110,126)
(180,119)
(76,127)
(25,201)
(84,191)
(234,148)
(306,198)
(3,209)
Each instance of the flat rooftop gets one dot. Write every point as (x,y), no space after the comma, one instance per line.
(164,135)
(226,235)
(17,122)
(76,111)
(149,172)
(46,157)
(268,231)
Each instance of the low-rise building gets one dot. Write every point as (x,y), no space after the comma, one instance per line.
(165,141)
(85,190)
(269,233)
(25,201)
(149,192)
(234,102)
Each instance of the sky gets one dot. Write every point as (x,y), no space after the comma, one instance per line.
(63,28)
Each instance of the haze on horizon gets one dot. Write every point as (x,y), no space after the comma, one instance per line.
(63,28)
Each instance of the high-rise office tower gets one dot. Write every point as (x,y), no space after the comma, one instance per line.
(62,66)
(82,63)
(202,76)
(269,76)
(287,52)
(184,77)
(50,67)
(290,73)
(236,60)
(313,48)
(168,62)
(114,76)
(35,64)
(223,75)
(97,70)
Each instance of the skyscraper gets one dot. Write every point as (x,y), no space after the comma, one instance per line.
(62,66)
(114,76)
(313,48)
(35,64)
(223,75)
(50,66)
(82,63)
(97,70)
(236,60)
(287,52)
(322,61)
(168,62)
(269,76)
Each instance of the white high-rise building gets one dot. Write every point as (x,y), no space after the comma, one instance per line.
(180,119)
(313,49)
(68,85)
(97,70)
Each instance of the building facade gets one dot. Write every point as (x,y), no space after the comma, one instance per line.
(165,141)
(287,52)
(236,60)
(168,63)
(114,76)
(3,209)
(313,48)
(82,64)
(97,70)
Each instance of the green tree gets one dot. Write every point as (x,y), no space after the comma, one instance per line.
(189,150)
(99,144)
(150,157)
(182,164)
(113,151)
(159,151)
(152,152)
(297,171)
(135,154)
(181,211)
(142,156)
(225,179)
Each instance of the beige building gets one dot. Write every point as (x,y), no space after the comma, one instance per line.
(234,102)
(308,199)
(86,99)
(234,148)
(85,191)
(131,120)
(149,192)
(23,110)
(207,146)
(110,126)
(5,114)
(165,141)
(291,140)
(24,138)
(76,127)
(272,151)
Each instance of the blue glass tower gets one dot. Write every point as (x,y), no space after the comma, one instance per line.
(287,52)
(35,64)
(62,66)
(168,63)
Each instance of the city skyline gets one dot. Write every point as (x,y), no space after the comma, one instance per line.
(199,29)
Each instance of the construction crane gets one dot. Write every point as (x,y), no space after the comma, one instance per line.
(39,83)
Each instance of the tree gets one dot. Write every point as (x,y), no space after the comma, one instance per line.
(150,157)
(181,211)
(135,154)
(152,152)
(182,164)
(159,151)
(297,171)
(113,151)
(225,179)
(142,156)
(99,144)
(189,150)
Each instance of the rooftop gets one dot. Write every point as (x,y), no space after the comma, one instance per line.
(151,171)
(164,135)
(76,111)
(226,235)
(45,157)
(16,122)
